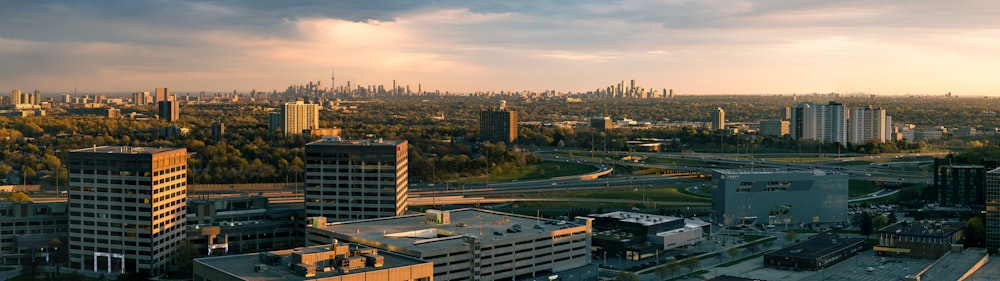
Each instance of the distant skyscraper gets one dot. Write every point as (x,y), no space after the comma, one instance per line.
(126,208)
(37,97)
(297,116)
(498,124)
(218,130)
(169,110)
(867,124)
(114,113)
(161,94)
(15,97)
(139,98)
(993,209)
(718,118)
(350,180)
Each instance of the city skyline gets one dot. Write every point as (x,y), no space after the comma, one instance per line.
(702,47)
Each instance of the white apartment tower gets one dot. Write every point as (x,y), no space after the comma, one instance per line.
(867,124)
(823,122)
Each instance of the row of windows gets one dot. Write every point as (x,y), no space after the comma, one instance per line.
(390,178)
(27,223)
(389,169)
(107,181)
(33,230)
(351,209)
(169,170)
(383,199)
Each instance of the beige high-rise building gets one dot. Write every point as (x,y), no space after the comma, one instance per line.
(127,208)
(295,117)
(867,124)
(161,94)
(15,97)
(718,119)
(349,179)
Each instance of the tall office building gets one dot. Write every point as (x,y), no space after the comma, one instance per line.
(993,210)
(959,185)
(774,127)
(15,97)
(348,180)
(126,207)
(161,94)
(867,124)
(139,98)
(718,119)
(169,110)
(822,122)
(498,124)
(295,117)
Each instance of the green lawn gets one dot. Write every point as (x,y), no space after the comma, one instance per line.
(547,169)
(857,188)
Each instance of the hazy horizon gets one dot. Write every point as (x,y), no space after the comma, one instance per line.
(923,48)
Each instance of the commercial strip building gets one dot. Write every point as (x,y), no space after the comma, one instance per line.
(33,229)
(334,262)
(920,239)
(474,244)
(246,224)
(636,236)
(126,207)
(356,179)
(773,196)
(819,251)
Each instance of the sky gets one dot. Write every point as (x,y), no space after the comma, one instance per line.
(891,47)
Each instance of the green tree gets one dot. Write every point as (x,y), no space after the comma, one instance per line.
(866,224)
(733,252)
(790,235)
(28,174)
(691,263)
(975,232)
(183,259)
(878,222)
(673,267)
(18,197)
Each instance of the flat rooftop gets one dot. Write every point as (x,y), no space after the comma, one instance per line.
(953,265)
(637,218)
(125,149)
(334,141)
(817,246)
(245,266)
(928,228)
(418,233)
